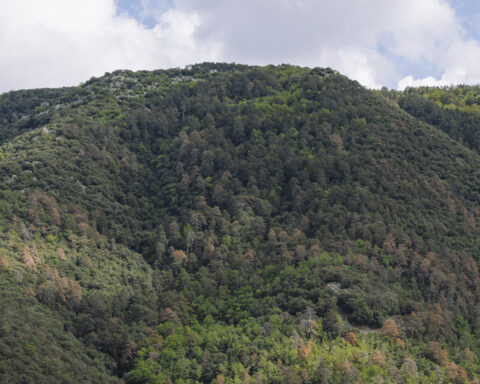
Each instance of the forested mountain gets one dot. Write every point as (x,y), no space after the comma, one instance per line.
(234,224)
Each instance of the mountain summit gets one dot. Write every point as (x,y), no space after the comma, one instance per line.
(234,224)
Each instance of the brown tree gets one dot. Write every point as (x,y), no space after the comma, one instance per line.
(351,338)
(390,329)
(378,358)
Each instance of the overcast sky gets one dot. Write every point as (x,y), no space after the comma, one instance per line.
(393,43)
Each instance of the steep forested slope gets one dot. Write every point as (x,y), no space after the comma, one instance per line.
(226,223)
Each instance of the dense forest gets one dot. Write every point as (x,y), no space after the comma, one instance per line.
(225,223)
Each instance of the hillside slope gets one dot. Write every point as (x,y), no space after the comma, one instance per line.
(226,223)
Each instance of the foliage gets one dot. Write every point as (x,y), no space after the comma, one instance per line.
(233,224)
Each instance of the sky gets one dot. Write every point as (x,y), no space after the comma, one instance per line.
(393,43)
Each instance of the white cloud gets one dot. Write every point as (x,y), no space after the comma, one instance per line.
(419,30)
(457,62)
(344,34)
(341,34)
(64,42)
(409,81)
